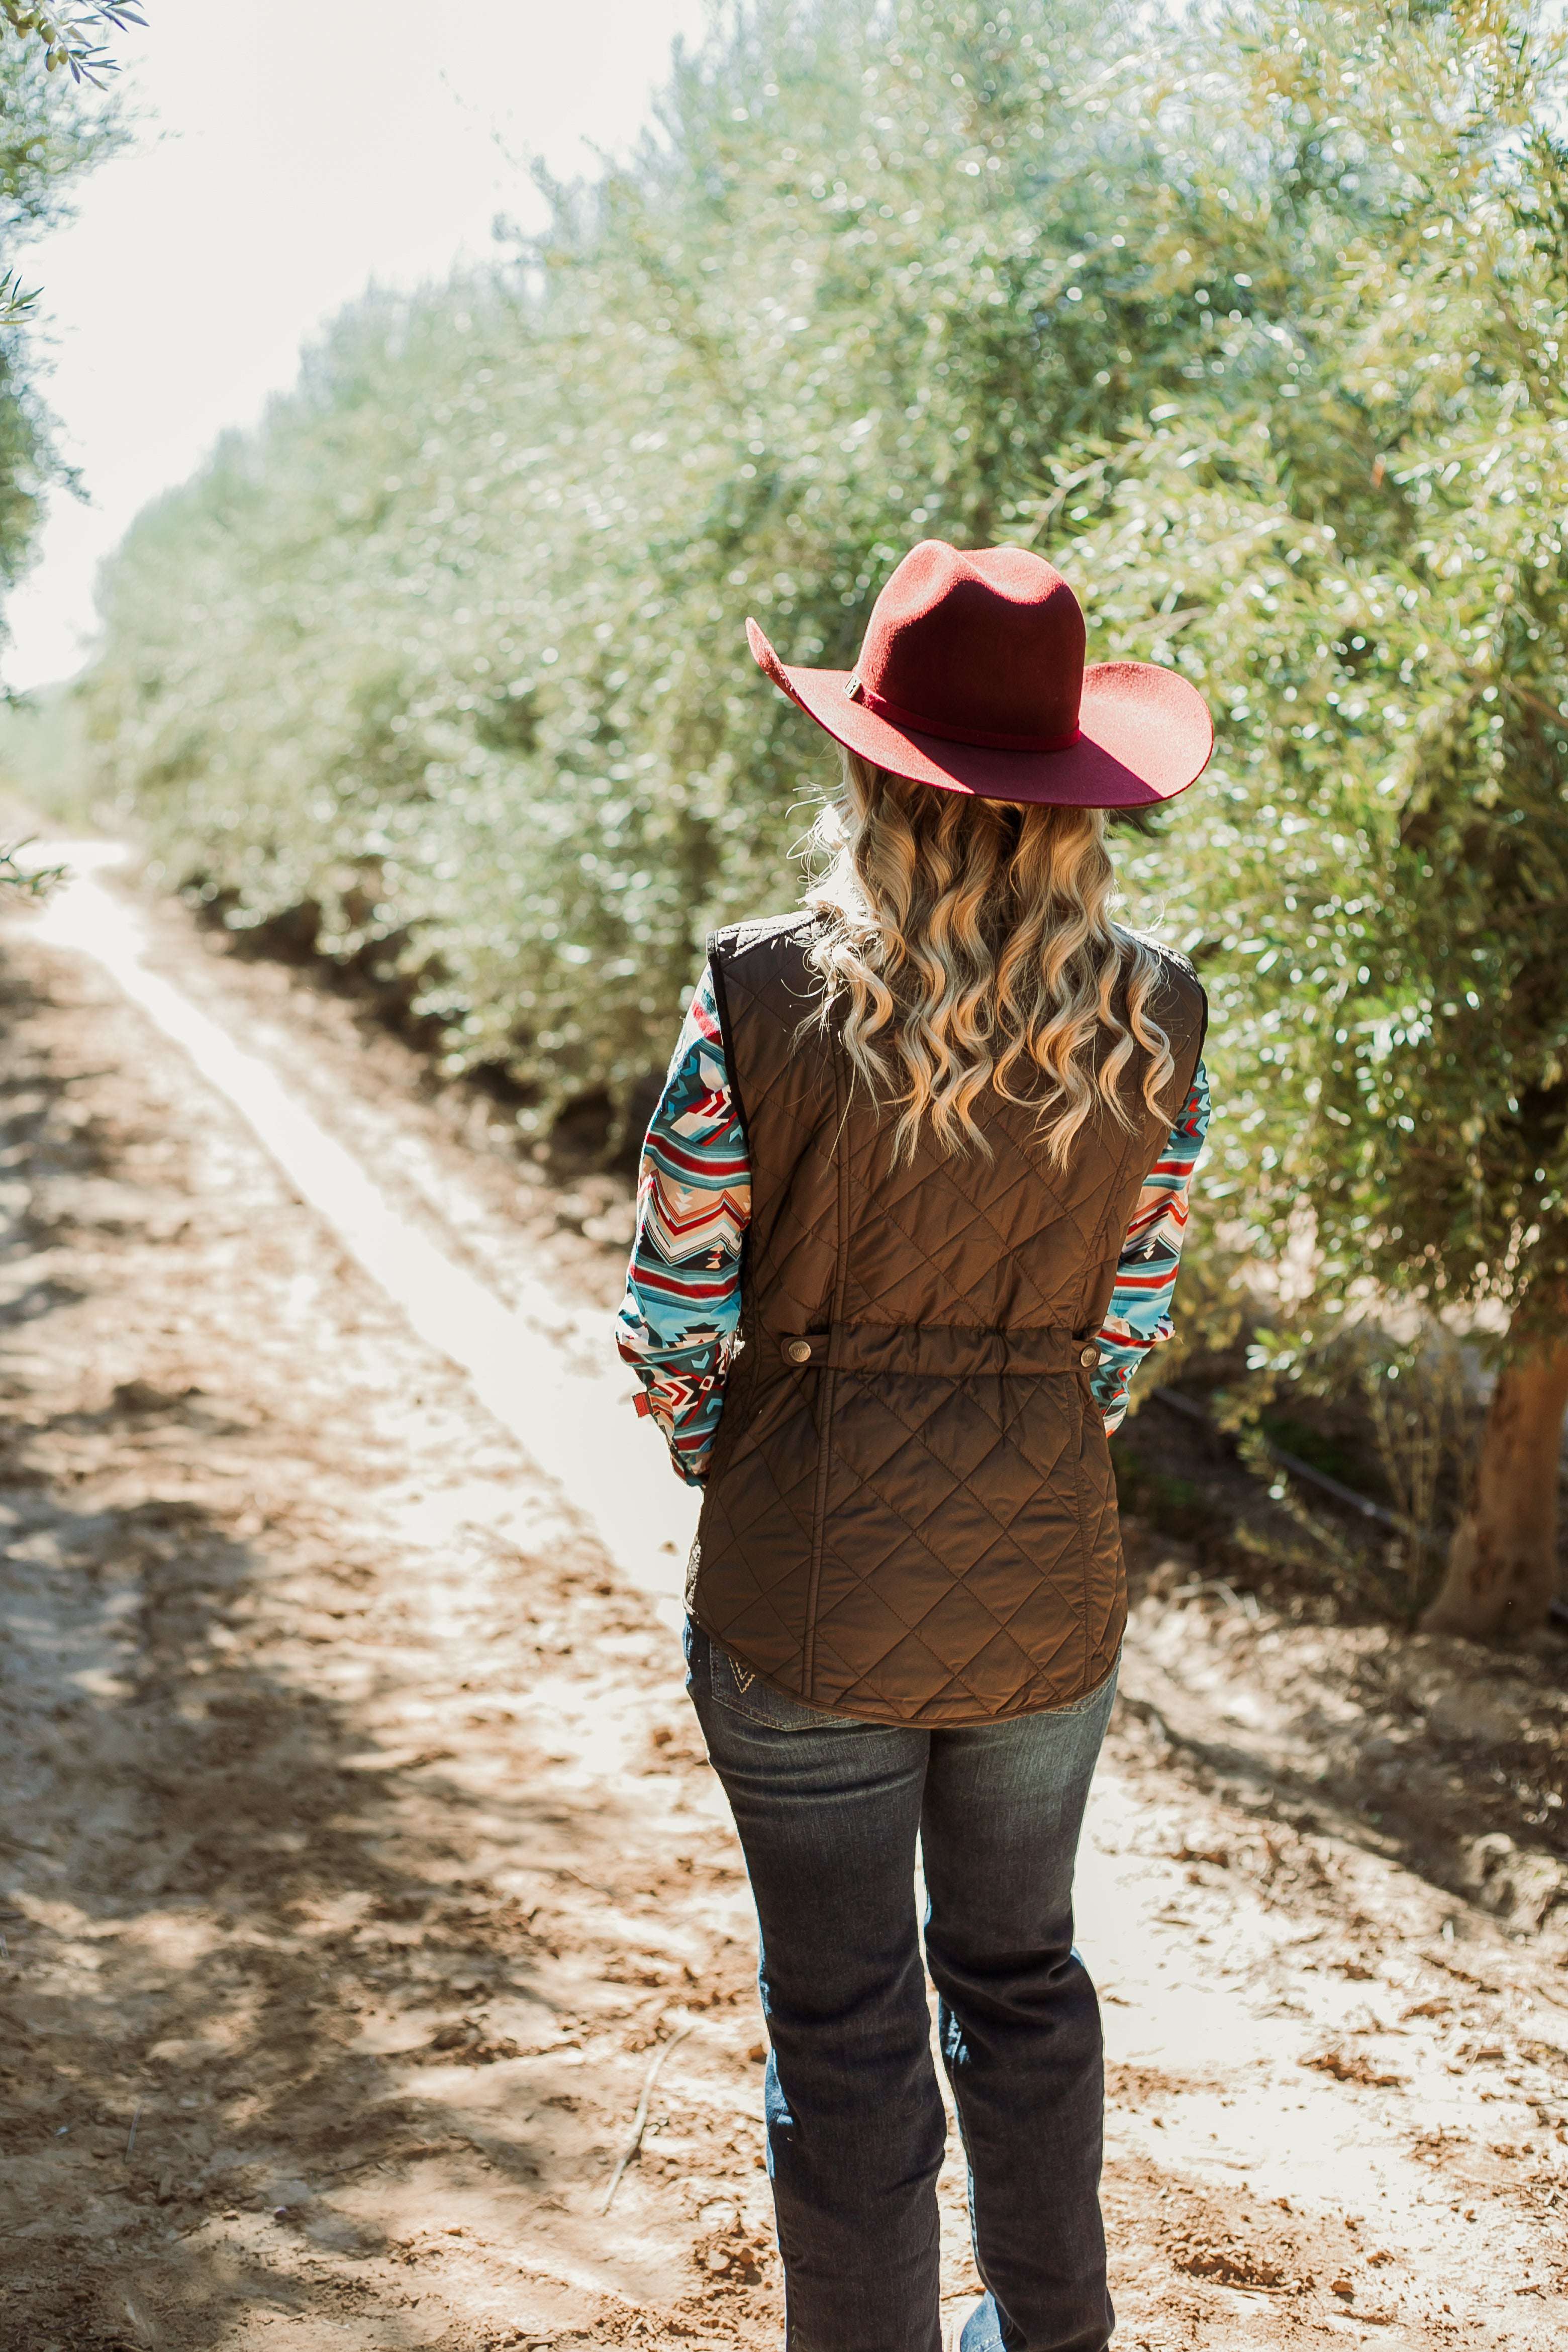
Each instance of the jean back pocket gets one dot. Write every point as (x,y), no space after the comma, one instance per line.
(715,1672)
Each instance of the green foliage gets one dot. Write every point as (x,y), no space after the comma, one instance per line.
(1256,327)
(67,36)
(50,134)
(1367,577)
(44,755)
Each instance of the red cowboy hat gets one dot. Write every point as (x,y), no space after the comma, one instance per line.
(971,678)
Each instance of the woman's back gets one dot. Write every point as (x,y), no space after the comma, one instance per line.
(911,1209)
(909,1513)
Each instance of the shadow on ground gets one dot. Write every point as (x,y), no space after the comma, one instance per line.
(255,1968)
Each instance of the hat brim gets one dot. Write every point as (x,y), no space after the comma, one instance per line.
(1144,735)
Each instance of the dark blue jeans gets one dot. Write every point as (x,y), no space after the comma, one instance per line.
(829,1812)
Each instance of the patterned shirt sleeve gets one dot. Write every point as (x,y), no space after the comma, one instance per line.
(678,1321)
(1140,1314)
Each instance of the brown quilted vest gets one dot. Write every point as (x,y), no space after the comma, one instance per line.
(911,1516)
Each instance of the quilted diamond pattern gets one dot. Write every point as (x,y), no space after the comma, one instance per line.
(897,1546)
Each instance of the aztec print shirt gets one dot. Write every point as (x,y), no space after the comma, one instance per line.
(678,1321)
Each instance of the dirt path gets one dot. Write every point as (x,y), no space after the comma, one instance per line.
(357,1852)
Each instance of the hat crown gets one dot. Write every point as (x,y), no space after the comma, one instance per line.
(984,645)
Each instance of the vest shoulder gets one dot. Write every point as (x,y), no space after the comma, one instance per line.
(1179,972)
(764,939)
(762,970)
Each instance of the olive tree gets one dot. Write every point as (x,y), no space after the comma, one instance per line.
(67,36)
(1366,571)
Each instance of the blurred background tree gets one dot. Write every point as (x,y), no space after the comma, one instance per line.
(52,131)
(1254,323)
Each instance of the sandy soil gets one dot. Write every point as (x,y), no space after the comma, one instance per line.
(358,1855)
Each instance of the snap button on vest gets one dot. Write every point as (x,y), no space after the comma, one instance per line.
(798,1351)
(1089,1358)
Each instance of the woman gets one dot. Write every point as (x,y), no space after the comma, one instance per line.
(912,1210)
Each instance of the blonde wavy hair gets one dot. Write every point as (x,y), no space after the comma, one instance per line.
(970,944)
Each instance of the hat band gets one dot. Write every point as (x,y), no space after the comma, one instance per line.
(983,740)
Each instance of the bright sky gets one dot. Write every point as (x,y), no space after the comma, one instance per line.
(292,151)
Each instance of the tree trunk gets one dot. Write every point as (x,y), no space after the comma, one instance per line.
(1502,1560)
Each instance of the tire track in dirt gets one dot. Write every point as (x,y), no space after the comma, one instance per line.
(368,1852)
